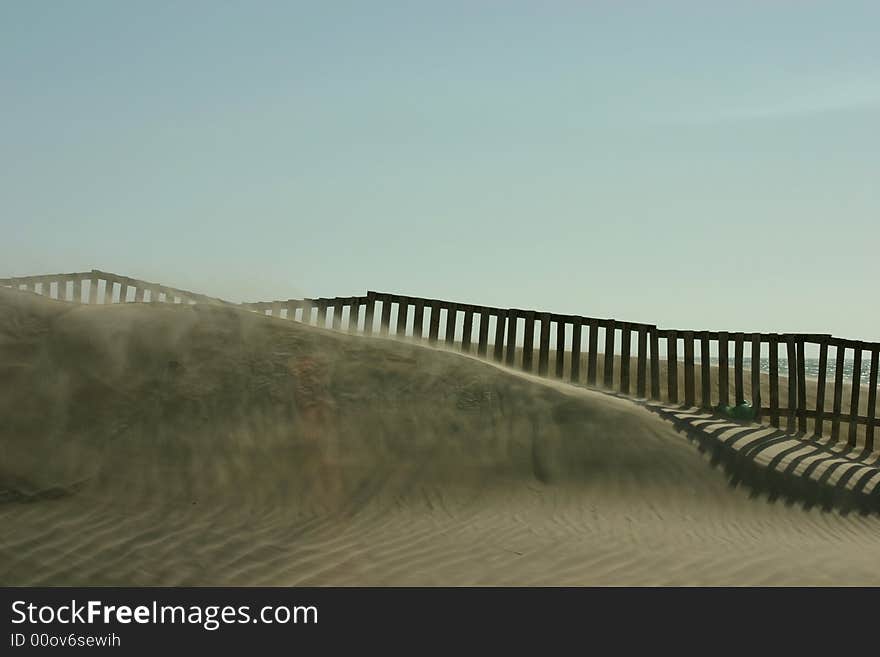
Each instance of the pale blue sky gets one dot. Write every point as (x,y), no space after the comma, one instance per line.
(704,165)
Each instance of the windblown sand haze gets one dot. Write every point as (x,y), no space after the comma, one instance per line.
(161,444)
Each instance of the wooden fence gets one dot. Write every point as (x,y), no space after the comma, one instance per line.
(573,348)
(98,287)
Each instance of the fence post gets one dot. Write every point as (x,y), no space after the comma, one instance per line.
(402,316)
(672,366)
(608,355)
(322,304)
(338,305)
(791,356)
(451,321)
(641,369)
(434,324)
(467,329)
(368,315)
(801,386)
(854,394)
(560,347)
(500,326)
(385,318)
(773,340)
(705,370)
(511,336)
(756,375)
(418,318)
(689,367)
(723,375)
(77,290)
(544,345)
(93,291)
(574,370)
(592,352)
(738,366)
(483,339)
(820,386)
(655,364)
(528,341)
(625,347)
(872,400)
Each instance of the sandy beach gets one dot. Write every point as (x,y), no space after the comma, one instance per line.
(154,444)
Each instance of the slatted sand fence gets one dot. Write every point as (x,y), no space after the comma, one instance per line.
(100,287)
(702,369)
(829,422)
(820,429)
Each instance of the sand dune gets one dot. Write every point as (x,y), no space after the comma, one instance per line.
(148,444)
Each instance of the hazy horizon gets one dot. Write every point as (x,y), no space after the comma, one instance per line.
(686,165)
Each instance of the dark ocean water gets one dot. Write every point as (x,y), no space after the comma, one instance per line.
(811,366)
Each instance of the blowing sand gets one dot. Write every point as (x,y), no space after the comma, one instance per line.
(151,444)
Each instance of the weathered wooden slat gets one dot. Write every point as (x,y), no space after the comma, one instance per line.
(791,363)
(291,305)
(690,394)
(872,399)
(739,393)
(672,366)
(642,363)
(801,387)
(705,371)
(434,322)
(385,318)
(655,364)
(856,388)
(608,354)
(574,373)
(723,373)
(402,317)
(418,319)
(756,375)
(560,348)
(500,327)
(773,341)
(528,341)
(93,291)
(307,306)
(338,305)
(592,352)
(838,391)
(544,345)
(467,330)
(483,336)
(820,387)
(123,289)
(625,348)
(354,315)
(451,321)
(370,311)
(512,321)
(321,319)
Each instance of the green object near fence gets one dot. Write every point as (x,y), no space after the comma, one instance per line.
(743,411)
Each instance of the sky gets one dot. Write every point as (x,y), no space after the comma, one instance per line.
(694,165)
